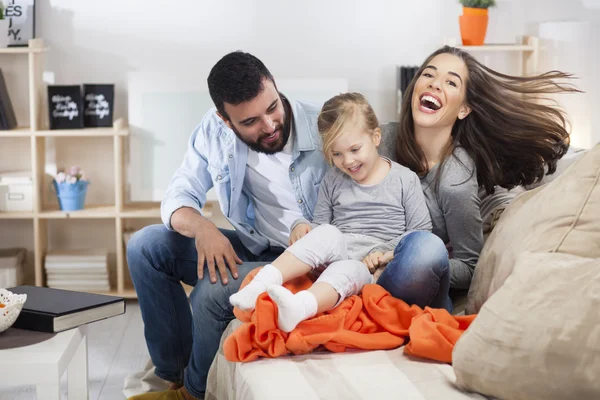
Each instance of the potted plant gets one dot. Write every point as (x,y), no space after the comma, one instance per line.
(71,188)
(3,27)
(474,21)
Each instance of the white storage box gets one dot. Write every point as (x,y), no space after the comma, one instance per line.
(11,267)
(16,192)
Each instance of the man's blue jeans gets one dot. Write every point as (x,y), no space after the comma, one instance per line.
(420,271)
(183,341)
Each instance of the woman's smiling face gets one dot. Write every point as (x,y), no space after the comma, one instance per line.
(439,94)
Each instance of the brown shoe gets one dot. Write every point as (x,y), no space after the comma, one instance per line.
(166,395)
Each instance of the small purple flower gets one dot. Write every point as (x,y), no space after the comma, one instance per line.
(74,170)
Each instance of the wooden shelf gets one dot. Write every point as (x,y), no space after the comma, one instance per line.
(144,210)
(18,132)
(85,132)
(98,212)
(22,50)
(117,130)
(499,47)
(89,212)
(525,47)
(16,215)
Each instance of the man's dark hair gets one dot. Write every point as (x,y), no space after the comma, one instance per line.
(236,78)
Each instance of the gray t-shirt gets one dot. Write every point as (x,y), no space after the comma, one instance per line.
(386,211)
(455,213)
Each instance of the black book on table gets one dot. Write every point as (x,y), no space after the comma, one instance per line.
(55,310)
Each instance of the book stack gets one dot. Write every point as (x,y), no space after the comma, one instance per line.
(81,270)
(8,119)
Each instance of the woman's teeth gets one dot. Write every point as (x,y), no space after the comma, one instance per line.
(430,103)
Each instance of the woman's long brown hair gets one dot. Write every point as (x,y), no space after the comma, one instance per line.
(515,133)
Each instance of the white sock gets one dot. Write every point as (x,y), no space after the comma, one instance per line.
(292,308)
(245,299)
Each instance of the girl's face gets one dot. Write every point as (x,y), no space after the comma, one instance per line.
(355,152)
(439,95)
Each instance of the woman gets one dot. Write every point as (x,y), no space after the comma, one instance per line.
(466,129)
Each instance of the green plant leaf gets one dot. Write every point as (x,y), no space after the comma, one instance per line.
(478,3)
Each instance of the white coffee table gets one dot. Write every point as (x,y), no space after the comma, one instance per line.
(43,363)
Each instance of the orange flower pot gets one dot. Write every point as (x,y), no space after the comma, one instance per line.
(473,26)
(475,11)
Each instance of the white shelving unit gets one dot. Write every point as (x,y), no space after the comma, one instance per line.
(41,214)
(528,46)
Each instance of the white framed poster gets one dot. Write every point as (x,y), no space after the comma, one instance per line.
(21,21)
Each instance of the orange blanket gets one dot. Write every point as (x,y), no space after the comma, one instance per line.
(373,320)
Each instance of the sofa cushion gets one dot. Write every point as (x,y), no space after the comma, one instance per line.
(538,336)
(387,147)
(562,216)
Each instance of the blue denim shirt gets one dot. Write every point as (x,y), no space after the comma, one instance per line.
(217,158)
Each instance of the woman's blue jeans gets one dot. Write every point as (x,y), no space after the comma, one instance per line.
(420,271)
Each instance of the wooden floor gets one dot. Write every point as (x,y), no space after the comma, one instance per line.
(116,348)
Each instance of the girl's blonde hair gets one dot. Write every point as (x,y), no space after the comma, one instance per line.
(340,110)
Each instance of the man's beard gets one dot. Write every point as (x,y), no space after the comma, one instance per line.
(270,148)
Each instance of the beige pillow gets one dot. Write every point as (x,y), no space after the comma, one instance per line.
(562,216)
(538,337)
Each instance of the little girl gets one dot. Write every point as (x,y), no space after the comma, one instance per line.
(366,204)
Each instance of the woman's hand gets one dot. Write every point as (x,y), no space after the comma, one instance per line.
(299,231)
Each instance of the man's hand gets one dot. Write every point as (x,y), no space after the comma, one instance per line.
(377,259)
(212,246)
(299,231)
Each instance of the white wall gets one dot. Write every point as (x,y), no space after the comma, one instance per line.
(357,40)
(360,41)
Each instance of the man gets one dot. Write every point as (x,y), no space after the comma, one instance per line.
(261,153)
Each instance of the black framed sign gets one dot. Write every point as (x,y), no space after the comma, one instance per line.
(65,107)
(21,21)
(98,102)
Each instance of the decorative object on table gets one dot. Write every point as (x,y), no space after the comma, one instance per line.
(11,266)
(8,120)
(56,310)
(65,107)
(21,21)
(71,188)
(98,101)
(16,191)
(4,22)
(474,21)
(11,305)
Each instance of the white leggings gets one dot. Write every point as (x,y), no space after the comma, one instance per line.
(327,245)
